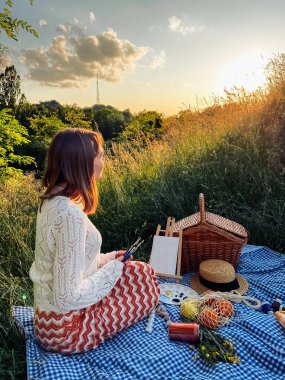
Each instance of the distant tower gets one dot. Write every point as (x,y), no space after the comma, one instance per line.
(98,99)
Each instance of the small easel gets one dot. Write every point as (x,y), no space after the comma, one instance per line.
(168,232)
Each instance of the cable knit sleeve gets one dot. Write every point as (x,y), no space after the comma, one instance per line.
(71,290)
(104,258)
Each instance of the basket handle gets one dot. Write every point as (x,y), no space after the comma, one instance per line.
(202,208)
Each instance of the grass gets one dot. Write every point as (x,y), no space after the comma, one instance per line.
(232,152)
(222,152)
(18,205)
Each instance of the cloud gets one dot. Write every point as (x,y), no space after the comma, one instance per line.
(158,60)
(62,28)
(92,17)
(175,25)
(43,23)
(73,59)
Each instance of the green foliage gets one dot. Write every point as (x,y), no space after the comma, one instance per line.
(12,134)
(18,207)
(22,110)
(44,125)
(75,117)
(11,25)
(50,107)
(110,122)
(10,88)
(46,118)
(213,348)
(147,125)
(44,128)
(25,111)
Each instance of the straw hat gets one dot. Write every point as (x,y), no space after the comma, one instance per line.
(218,275)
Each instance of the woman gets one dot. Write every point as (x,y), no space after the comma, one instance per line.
(81,296)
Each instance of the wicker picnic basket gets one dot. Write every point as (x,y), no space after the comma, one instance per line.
(209,236)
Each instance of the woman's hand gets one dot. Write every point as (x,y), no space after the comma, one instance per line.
(120,256)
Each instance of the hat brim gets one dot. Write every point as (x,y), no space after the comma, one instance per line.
(199,288)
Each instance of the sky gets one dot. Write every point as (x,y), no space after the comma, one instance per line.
(160,55)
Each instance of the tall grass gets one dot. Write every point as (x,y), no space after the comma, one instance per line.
(231,151)
(18,205)
(225,151)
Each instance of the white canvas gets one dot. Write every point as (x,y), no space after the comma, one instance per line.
(163,257)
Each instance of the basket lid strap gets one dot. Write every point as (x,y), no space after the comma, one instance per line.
(202,208)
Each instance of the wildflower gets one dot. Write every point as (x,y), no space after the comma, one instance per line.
(231,358)
(207,355)
(203,348)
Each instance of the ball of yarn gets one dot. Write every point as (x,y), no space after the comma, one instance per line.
(189,308)
(276,304)
(209,301)
(265,307)
(224,308)
(209,318)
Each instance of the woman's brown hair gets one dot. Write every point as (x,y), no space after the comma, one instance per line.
(70,160)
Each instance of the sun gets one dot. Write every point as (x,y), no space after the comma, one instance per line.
(245,70)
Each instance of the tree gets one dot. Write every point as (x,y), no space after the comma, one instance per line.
(74,117)
(12,134)
(127,115)
(10,88)
(51,107)
(24,111)
(11,25)
(43,128)
(146,125)
(110,121)
(5,59)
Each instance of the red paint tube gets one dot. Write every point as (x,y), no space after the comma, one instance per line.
(184,332)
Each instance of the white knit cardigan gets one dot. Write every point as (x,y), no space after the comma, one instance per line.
(69,272)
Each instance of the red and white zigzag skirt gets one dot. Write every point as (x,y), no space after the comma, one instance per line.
(135,294)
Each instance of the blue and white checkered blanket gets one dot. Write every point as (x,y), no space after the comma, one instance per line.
(137,355)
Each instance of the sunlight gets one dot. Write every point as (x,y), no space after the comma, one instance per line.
(246,70)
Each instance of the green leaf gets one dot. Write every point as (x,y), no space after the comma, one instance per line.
(11,25)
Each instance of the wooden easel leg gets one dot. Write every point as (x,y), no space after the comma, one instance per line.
(172,222)
(168,232)
(167,229)
(179,254)
(158,229)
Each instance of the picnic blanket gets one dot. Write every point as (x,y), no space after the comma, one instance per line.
(135,354)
